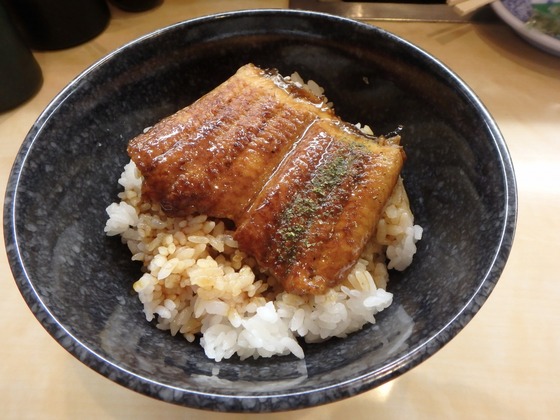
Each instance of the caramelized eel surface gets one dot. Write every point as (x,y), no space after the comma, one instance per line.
(304,189)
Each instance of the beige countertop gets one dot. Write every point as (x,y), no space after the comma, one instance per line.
(503,365)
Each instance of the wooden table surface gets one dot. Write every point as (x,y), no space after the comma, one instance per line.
(503,365)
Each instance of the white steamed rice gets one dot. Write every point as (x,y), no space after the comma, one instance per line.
(197,282)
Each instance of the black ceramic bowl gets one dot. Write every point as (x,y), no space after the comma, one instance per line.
(78,282)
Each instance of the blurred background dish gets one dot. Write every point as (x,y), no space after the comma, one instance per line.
(537,21)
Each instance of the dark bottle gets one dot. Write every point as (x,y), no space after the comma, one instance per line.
(20,75)
(58,24)
(136,5)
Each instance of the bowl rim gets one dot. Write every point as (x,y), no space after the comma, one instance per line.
(274,401)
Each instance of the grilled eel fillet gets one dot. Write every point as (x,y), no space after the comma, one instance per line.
(214,156)
(314,216)
(304,189)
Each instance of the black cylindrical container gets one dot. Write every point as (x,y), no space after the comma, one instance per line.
(20,75)
(58,24)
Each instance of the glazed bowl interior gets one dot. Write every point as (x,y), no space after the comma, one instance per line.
(78,282)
